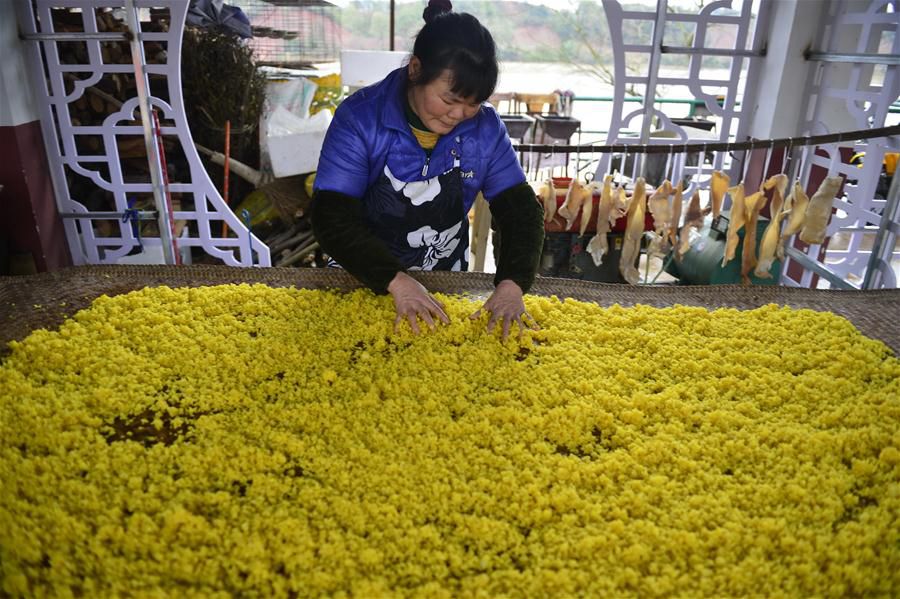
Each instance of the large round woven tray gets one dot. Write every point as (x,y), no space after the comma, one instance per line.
(45,300)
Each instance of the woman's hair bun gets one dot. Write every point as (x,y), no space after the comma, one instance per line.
(436,8)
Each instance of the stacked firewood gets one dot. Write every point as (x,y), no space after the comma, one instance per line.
(107,95)
(295,246)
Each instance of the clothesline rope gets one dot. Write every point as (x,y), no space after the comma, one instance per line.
(753,144)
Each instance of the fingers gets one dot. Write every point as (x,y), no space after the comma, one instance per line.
(506,323)
(431,310)
(412,302)
(412,318)
(522,327)
(492,322)
(413,323)
(497,314)
(428,312)
(426,316)
(439,310)
(506,319)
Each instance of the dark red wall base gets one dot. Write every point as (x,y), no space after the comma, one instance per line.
(29,220)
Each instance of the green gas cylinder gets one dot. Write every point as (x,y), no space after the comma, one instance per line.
(702,263)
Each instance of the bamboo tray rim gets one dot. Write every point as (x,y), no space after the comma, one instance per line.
(44,300)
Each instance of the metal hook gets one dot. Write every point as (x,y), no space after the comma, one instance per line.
(591,173)
(786,163)
(769,151)
(609,163)
(702,160)
(577,161)
(621,170)
(665,173)
(683,163)
(807,143)
(748,154)
(552,156)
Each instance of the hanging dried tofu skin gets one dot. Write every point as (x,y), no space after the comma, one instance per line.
(779,184)
(587,208)
(818,212)
(717,188)
(621,201)
(547,194)
(752,205)
(656,246)
(659,207)
(692,220)
(736,220)
(795,212)
(677,209)
(572,206)
(598,246)
(769,244)
(634,230)
(677,203)
(795,208)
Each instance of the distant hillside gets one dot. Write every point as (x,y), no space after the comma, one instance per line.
(523,32)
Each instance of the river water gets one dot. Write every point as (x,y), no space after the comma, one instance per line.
(547,77)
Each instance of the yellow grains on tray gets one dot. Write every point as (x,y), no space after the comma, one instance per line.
(250,441)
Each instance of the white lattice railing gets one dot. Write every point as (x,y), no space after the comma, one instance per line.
(721,96)
(59,85)
(852,86)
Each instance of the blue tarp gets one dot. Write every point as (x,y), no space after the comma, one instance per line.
(215,13)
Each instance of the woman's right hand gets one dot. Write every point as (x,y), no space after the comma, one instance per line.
(412,301)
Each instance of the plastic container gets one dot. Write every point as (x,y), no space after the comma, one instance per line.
(557,127)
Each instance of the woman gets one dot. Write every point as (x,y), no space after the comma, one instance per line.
(402,163)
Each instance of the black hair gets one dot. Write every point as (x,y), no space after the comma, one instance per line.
(458,42)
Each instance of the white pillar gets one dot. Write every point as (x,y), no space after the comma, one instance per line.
(778,100)
(17,105)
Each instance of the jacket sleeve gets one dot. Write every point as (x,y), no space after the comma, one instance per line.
(337,222)
(520,220)
(344,160)
(502,166)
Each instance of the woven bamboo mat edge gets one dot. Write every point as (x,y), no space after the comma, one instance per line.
(45,300)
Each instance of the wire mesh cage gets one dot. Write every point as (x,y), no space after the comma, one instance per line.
(293,33)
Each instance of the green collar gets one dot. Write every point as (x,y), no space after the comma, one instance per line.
(413,119)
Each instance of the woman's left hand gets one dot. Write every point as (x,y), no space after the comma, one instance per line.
(505,305)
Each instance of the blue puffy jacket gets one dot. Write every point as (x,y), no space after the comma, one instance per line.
(370,128)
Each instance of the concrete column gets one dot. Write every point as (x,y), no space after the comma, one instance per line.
(32,237)
(778,100)
(18,105)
